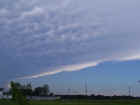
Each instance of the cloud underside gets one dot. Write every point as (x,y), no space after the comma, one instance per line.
(46,37)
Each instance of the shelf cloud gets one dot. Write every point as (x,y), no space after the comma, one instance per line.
(45,37)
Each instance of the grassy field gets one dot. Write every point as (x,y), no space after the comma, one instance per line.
(77,102)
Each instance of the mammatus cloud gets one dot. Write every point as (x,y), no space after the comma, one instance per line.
(45,37)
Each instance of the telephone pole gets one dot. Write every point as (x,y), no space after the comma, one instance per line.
(86,89)
(129,91)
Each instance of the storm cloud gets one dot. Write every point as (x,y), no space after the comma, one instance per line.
(45,37)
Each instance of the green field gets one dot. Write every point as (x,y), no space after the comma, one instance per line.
(77,102)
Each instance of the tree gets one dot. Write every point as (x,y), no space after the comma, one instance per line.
(26,89)
(38,91)
(13,90)
(46,89)
(21,99)
(42,91)
(1,89)
(17,94)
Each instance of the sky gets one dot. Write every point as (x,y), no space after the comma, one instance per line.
(40,39)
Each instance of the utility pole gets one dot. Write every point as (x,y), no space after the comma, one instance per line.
(129,91)
(86,90)
(69,91)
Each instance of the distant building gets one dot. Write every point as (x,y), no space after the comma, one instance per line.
(7,97)
(1,94)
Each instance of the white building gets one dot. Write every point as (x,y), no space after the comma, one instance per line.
(1,94)
(4,96)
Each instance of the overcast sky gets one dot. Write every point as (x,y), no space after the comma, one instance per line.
(44,37)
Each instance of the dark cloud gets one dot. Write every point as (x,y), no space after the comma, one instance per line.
(46,37)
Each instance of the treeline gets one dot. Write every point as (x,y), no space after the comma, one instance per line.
(27,90)
(96,97)
(19,93)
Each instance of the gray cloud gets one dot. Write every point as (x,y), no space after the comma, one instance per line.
(45,37)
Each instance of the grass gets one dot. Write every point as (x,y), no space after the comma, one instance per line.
(77,102)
